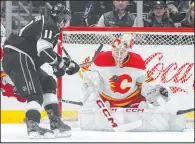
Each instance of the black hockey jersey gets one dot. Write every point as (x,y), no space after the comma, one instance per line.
(39,28)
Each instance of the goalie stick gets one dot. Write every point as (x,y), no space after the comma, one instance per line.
(111,120)
(95,55)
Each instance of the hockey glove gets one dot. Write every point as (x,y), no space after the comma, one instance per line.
(72,68)
(59,69)
(152,91)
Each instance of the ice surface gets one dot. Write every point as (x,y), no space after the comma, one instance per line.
(18,133)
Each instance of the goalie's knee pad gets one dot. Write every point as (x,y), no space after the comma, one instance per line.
(35,97)
(49,85)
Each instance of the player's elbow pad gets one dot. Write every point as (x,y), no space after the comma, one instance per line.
(48,56)
(45,52)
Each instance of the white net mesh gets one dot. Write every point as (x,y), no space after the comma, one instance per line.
(162,38)
(92,37)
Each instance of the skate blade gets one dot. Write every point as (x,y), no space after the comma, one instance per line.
(36,135)
(61,134)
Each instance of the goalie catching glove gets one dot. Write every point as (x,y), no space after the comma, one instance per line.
(64,65)
(152,91)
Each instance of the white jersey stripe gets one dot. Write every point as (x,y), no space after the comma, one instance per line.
(21,31)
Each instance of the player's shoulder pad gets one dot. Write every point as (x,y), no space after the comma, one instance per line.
(37,20)
(135,61)
(104,59)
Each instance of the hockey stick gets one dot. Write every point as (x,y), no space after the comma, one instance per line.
(71,102)
(179,112)
(95,55)
(67,54)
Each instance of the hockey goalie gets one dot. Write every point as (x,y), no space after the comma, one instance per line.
(119,78)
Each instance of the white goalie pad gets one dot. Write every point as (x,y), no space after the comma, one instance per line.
(152,120)
(92,84)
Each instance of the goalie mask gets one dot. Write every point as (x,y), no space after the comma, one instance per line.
(61,14)
(119,51)
(121,46)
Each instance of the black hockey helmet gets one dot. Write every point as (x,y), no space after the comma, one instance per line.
(60,13)
(159,4)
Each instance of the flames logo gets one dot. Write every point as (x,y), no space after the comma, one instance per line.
(116,81)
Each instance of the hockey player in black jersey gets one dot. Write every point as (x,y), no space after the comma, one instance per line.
(24,54)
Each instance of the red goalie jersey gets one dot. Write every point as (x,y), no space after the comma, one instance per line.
(122,85)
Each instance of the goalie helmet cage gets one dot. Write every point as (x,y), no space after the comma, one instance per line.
(143,37)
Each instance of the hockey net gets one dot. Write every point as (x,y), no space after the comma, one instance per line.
(168,52)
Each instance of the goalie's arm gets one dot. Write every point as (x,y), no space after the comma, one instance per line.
(92,83)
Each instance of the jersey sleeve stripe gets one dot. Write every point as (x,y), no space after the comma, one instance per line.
(21,31)
(43,22)
(42,45)
(53,59)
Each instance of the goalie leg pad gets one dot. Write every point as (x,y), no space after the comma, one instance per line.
(162,122)
(157,120)
(91,118)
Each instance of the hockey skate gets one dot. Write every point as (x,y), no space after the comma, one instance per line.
(37,132)
(59,128)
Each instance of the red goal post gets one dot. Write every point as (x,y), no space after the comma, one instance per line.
(162,43)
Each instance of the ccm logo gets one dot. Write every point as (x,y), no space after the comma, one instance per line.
(106,113)
(129,109)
